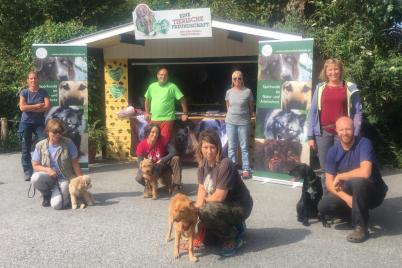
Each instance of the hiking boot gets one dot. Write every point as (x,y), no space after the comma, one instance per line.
(229,248)
(46,200)
(27,177)
(358,235)
(246,175)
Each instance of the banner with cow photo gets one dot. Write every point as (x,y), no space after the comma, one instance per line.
(283,99)
(63,73)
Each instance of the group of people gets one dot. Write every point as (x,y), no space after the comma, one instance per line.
(221,190)
(352,180)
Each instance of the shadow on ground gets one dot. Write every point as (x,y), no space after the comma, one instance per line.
(190,189)
(110,166)
(261,239)
(106,199)
(386,219)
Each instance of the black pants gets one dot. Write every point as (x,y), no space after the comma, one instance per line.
(365,195)
(174,163)
(220,219)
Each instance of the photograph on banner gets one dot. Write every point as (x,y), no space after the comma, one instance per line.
(284,94)
(183,23)
(62,71)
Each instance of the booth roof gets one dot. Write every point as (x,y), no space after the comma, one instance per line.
(112,35)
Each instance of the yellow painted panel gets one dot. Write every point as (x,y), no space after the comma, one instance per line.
(116,96)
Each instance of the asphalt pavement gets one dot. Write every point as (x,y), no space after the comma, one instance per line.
(125,230)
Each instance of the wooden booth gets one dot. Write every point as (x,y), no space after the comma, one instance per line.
(201,67)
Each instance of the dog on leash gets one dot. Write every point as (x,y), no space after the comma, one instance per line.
(183,214)
(152,173)
(79,194)
(307,207)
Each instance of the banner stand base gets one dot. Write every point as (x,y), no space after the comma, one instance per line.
(277,181)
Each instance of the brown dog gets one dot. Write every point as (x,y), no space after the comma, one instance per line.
(152,173)
(296,95)
(183,213)
(73,93)
(79,193)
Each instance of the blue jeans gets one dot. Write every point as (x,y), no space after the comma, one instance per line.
(238,134)
(25,132)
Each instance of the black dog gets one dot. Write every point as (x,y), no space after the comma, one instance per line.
(311,194)
(284,125)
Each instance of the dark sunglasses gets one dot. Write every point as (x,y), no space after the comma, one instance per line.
(56,131)
(237,78)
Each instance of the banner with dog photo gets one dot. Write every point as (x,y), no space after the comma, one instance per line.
(283,99)
(63,73)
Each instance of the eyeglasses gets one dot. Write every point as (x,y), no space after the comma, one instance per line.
(237,78)
(56,131)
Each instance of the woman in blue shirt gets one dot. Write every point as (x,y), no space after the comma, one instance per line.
(34,103)
(55,161)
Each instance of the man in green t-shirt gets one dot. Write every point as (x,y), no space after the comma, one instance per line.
(160,103)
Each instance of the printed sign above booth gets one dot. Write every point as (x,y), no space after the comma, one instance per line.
(182,23)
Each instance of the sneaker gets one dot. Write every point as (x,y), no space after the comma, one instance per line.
(27,177)
(246,175)
(358,235)
(229,248)
(46,201)
(241,228)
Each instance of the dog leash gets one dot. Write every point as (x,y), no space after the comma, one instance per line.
(29,190)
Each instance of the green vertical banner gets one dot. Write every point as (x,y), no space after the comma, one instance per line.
(63,73)
(283,99)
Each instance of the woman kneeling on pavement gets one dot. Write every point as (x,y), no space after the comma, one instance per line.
(159,150)
(55,162)
(223,199)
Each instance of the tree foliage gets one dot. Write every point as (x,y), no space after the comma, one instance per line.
(367,36)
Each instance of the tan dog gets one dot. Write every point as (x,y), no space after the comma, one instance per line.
(152,173)
(79,193)
(183,213)
(73,93)
(296,95)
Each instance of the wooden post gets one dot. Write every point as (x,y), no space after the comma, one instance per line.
(4,128)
